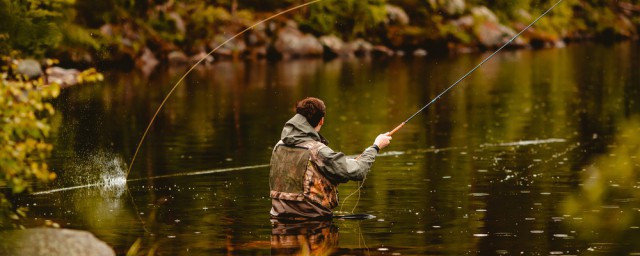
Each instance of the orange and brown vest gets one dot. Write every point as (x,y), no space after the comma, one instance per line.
(295,176)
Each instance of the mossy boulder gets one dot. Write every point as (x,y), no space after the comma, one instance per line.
(51,241)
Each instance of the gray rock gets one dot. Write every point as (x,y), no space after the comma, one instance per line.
(482,13)
(106,29)
(63,77)
(361,47)
(177,58)
(231,48)
(382,50)
(293,43)
(335,46)
(454,7)
(450,7)
(488,30)
(420,53)
(464,22)
(396,15)
(49,241)
(147,61)
(29,68)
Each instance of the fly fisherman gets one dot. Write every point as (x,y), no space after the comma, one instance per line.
(305,172)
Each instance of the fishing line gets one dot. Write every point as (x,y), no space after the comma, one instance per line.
(472,70)
(457,82)
(249,167)
(144,135)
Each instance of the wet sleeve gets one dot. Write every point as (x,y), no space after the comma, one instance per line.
(340,168)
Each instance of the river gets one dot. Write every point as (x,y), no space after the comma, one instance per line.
(488,169)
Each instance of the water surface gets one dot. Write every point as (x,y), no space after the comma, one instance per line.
(483,171)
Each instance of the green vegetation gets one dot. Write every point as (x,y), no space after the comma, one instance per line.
(23,118)
(350,19)
(37,27)
(32,28)
(606,205)
(118,30)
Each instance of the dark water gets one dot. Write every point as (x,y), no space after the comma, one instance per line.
(486,170)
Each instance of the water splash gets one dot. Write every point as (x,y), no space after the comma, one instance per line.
(101,170)
(111,176)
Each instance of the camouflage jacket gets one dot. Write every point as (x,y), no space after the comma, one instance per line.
(305,172)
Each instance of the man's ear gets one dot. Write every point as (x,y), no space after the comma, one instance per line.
(321,121)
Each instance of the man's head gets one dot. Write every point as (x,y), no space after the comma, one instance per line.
(313,109)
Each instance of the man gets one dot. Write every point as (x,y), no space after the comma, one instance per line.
(305,172)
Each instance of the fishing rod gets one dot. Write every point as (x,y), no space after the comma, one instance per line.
(471,71)
(445,91)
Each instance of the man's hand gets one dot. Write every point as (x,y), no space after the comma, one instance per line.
(382,140)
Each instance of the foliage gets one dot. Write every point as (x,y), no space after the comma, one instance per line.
(607,200)
(23,149)
(36,26)
(350,18)
(192,25)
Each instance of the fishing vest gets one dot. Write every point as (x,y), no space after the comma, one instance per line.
(295,175)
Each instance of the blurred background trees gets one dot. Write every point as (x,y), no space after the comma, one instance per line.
(104,32)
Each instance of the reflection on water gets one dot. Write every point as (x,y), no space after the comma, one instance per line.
(314,237)
(483,171)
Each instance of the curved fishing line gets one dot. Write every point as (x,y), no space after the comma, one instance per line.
(360,184)
(193,67)
(137,212)
(474,69)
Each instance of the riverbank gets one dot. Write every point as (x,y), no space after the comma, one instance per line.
(183,33)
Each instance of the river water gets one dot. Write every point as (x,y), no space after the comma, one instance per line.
(489,169)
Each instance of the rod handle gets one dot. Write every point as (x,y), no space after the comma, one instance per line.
(396,129)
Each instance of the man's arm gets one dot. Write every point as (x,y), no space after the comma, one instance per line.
(339,168)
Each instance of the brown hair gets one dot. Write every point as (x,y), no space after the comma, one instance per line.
(311,108)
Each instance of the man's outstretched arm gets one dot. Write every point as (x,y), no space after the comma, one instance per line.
(339,168)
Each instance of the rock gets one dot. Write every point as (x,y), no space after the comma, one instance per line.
(208,59)
(488,30)
(62,77)
(540,39)
(29,68)
(361,47)
(450,7)
(231,49)
(334,46)
(177,58)
(147,61)
(290,42)
(382,50)
(49,241)
(257,36)
(453,7)
(396,15)
(482,13)
(559,44)
(464,22)
(489,34)
(420,53)
(106,29)
(524,14)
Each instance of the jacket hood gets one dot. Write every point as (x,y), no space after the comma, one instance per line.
(298,130)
